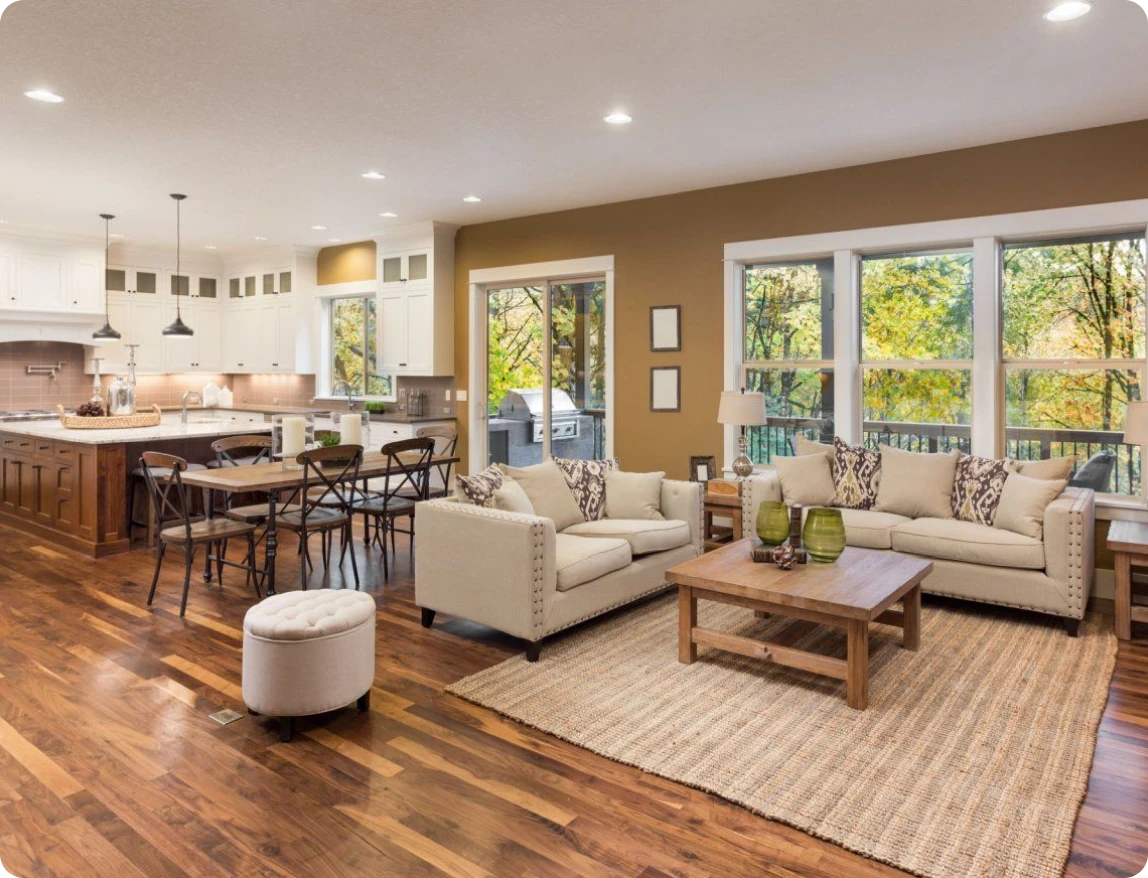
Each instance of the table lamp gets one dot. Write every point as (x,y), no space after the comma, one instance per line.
(741,409)
(1136,424)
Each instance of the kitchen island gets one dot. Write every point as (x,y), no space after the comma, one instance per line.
(71,487)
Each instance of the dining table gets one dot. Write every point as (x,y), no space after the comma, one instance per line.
(276,479)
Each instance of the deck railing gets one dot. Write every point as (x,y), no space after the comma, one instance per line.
(1021,443)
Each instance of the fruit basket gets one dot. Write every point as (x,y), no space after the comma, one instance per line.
(114,422)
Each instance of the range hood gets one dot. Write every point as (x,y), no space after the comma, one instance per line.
(60,326)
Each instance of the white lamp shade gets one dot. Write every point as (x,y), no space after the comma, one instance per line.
(1136,424)
(741,409)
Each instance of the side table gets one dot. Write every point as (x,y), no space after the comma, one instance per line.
(722,499)
(1129,542)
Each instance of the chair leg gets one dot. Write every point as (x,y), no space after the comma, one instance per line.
(391,522)
(285,728)
(305,560)
(327,540)
(411,535)
(364,702)
(366,530)
(428,617)
(349,537)
(220,551)
(383,546)
(155,577)
(252,573)
(189,559)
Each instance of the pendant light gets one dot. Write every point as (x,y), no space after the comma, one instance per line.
(106,333)
(177,329)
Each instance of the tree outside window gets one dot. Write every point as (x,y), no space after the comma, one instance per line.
(354,347)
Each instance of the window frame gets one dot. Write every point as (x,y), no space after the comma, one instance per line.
(986,236)
(326,375)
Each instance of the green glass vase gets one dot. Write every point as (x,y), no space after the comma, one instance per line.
(824,534)
(772,523)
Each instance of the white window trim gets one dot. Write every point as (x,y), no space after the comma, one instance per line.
(325,295)
(985,235)
(522,275)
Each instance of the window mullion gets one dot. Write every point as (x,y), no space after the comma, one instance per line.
(846,346)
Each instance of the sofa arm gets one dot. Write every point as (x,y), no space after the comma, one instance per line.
(486,565)
(755,491)
(684,501)
(1069,545)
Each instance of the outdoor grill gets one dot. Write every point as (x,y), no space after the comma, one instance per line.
(517,428)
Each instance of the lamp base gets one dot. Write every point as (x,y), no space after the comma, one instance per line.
(742,466)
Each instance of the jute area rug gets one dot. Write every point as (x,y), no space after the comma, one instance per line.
(972,759)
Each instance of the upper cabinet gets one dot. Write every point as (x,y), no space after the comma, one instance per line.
(415,269)
(50,277)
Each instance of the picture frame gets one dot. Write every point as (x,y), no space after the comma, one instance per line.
(665,328)
(703,468)
(666,389)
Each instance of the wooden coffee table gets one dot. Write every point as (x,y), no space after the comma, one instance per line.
(859,588)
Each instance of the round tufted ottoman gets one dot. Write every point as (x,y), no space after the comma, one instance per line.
(308,652)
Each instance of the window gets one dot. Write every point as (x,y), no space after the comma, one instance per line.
(353,348)
(788,352)
(917,349)
(1073,348)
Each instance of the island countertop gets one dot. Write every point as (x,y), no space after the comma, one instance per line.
(200,426)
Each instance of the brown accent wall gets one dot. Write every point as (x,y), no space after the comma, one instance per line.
(668,251)
(346,262)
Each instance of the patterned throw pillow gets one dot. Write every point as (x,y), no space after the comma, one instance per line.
(977,487)
(587,481)
(856,474)
(479,489)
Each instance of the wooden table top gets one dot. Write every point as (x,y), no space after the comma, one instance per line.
(1128,536)
(861,584)
(273,477)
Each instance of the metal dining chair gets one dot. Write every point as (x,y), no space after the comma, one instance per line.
(163,475)
(242,451)
(445,442)
(335,471)
(408,473)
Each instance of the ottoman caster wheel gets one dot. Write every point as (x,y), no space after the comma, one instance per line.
(364,702)
(286,725)
(251,712)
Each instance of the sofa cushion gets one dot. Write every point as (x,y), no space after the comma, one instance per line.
(806,480)
(580,560)
(1054,468)
(856,474)
(634,495)
(479,489)
(511,498)
(1023,502)
(916,485)
(955,540)
(868,529)
(587,481)
(643,536)
(802,446)
(977,487)
(549,494)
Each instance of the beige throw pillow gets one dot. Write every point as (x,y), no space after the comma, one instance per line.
(1054,468)
(1023,502)
(803,446)
(548,492)
(806,480)
(634,495)
(511,498)
(916,485)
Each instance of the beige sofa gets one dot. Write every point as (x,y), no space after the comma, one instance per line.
(976,562)
(514,572)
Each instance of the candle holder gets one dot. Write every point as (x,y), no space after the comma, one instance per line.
(291,435)
(346,423)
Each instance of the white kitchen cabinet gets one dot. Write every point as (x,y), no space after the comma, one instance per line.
(42,283)
(410,266)
(241,347)
(391,319)
(203,352)
(146,330)
(86,293)
(286,332)
(7,278)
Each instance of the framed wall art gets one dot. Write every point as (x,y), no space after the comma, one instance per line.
(666,389)
(666,328)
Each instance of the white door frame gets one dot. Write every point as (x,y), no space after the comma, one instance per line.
(525,275)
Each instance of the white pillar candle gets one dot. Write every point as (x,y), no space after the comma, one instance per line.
(294,437)
(351,429)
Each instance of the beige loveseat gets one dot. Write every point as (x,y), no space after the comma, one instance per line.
(976,562)
(515,572)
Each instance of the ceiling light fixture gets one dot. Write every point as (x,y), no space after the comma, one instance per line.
(319,228)
(472,199)
(618,118)
(210,247)
(106,332)
(1068,11)
(44,96)
(116,235)
(177,329)
(260,238)
(374,175)
(334,240)
(388,214)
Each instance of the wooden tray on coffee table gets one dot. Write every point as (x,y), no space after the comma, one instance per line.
(860,587)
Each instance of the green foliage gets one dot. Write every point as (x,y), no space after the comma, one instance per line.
(354,343)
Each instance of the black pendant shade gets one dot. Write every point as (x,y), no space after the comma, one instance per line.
(106,332)
(177,329)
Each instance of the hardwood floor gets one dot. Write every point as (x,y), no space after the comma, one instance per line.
(110,765)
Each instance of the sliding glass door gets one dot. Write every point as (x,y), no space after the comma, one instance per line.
(546,336)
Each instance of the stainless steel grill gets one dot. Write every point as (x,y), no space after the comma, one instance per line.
(526,405)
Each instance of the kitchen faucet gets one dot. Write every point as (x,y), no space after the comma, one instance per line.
(183,413)
(346,385)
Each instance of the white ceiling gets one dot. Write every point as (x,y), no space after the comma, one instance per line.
(266,112)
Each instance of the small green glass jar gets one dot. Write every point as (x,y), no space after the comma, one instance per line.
(824,534)
(772,522)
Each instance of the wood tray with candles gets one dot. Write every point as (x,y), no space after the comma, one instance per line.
(112,422)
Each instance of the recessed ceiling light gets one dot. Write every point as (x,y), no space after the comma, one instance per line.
(43,95)
(1068,11)
(388,214)
(472,199)
(374,175)
(210,247)
(115,235)
(334,240)
(5,222)
(260,238)
(618,118)
(319,228)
